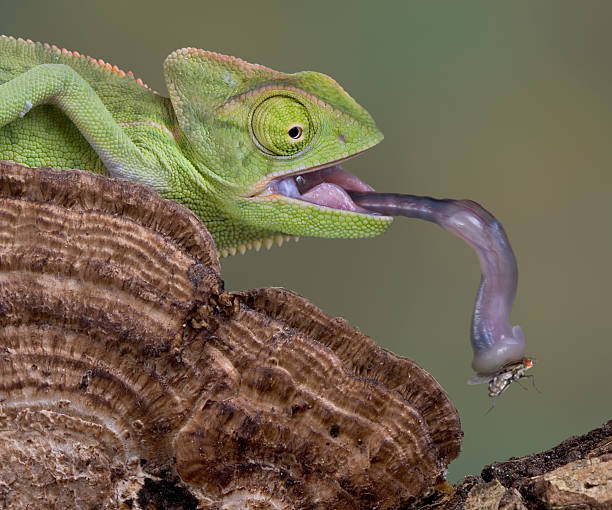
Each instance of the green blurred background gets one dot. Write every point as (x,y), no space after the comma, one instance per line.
(509,104)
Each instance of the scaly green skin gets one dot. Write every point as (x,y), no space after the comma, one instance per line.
(212,146)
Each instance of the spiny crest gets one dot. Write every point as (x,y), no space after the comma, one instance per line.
(97,63)
(228,60)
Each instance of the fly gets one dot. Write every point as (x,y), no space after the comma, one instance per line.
(501,380)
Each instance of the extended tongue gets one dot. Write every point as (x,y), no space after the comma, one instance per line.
(494,340)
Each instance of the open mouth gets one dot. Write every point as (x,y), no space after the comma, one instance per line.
(327,187)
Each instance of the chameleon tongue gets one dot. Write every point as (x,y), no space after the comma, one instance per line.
(494,341)
(331,195)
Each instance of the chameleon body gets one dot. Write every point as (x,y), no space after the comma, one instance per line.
(252,151)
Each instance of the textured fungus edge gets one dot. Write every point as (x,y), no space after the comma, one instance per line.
(86,191)
(366,359)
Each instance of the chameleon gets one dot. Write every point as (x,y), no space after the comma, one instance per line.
(254,152)
(235,142)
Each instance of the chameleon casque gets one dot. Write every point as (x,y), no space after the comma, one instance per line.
(255,153)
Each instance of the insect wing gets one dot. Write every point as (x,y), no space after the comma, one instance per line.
(479,379)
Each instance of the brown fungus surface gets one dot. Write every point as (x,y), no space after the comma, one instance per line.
(364,358)
(130,379)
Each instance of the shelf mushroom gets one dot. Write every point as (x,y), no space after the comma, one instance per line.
(128,375)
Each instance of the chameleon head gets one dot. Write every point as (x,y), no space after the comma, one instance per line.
(269,144)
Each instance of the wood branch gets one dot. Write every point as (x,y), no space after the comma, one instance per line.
(575,475)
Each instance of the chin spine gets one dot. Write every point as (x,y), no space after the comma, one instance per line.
(256,245)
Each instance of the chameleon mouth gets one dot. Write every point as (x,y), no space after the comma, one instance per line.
(326,187)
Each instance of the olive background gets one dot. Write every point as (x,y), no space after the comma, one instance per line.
(505,103)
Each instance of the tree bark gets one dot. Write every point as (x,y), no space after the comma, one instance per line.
(576,475)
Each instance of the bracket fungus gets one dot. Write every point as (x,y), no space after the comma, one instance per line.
(130,379)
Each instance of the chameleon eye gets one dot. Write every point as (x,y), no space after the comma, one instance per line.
(295,132)
(281,126)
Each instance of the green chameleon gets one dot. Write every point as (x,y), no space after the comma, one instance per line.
(252,151)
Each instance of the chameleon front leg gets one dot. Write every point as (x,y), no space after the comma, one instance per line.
(62,86)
